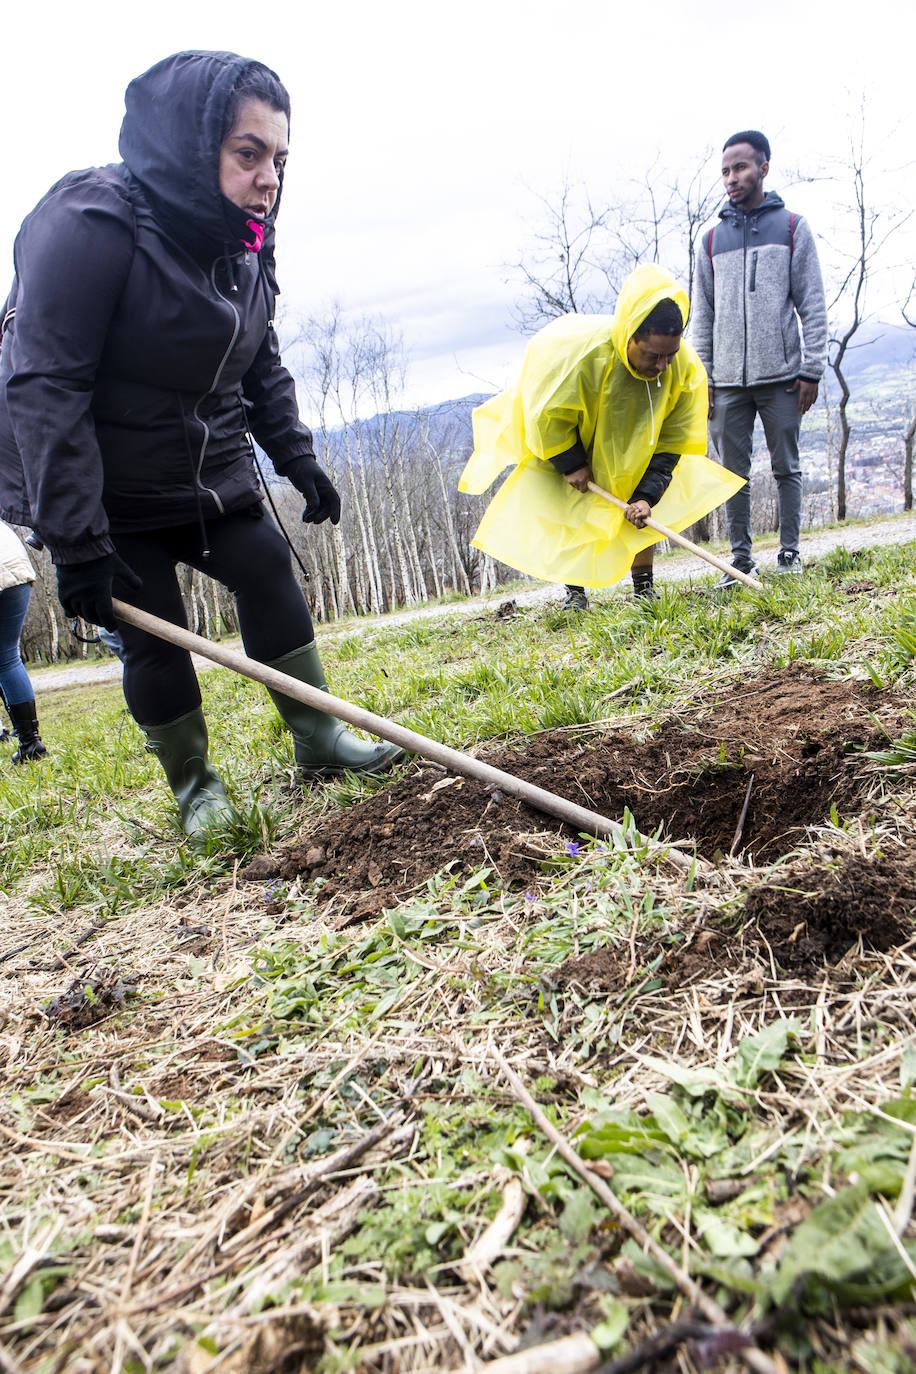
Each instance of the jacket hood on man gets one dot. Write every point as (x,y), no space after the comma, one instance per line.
(644,289)
(771,201)
(170,142)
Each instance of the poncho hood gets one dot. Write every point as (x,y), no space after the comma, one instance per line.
(170,142)
(644,289)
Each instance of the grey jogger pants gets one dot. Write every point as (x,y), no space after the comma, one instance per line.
(731,428)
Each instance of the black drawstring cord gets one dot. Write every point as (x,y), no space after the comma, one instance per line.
(270,500)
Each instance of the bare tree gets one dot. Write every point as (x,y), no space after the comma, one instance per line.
(696,195)
(582,250)
(872,228)
(908,311)
(561,272)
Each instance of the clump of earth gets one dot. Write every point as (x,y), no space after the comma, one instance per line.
(754,763)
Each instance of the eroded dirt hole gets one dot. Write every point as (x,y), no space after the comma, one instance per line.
(800,736)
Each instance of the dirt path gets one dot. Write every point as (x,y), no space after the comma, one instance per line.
(679,567)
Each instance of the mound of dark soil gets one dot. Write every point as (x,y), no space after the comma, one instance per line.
(811,916)
(806,920)
(800,737)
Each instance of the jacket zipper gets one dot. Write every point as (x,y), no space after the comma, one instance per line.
(213,385)
(744,302)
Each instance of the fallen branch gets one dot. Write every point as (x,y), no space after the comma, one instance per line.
(575,1353)
(666,1341)
(242,1195)
(701,1301)
(311,1178)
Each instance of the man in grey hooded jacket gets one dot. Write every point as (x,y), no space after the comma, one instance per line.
(758,276)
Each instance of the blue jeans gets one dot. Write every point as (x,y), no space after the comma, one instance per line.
(731,427)
(14,680)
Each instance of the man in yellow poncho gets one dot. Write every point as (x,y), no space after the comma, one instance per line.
(616,399)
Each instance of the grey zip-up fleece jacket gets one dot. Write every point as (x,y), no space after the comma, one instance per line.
(757,276)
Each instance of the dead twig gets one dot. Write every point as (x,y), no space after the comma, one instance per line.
(327,1225)
(739,833)
(239,1198)
(7,1364)
(314,1176)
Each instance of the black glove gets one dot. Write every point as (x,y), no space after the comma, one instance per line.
(84,589)
(321,499)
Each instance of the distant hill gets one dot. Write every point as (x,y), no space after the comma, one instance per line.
(445,418)
(880,348)
(449,424)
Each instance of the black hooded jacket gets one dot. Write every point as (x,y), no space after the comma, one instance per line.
(139,349)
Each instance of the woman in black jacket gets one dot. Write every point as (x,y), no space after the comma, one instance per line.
(138,355)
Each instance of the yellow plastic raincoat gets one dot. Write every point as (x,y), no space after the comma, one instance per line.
(576,383)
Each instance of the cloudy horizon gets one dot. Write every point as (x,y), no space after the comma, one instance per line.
(422,137)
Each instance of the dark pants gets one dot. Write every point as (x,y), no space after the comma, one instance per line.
(249,555)
(731,427)
(14,680)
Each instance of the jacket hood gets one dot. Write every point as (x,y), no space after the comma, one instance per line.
(170,142)
(642,291)
(771,201)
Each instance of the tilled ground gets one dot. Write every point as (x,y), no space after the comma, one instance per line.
(779,751)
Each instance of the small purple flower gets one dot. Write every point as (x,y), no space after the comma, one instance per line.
(572,848)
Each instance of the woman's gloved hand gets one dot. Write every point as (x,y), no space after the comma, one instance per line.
(322,501)
(84,589)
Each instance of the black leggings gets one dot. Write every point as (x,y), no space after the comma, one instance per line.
(248,555)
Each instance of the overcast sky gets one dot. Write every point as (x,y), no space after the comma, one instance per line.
(420,131)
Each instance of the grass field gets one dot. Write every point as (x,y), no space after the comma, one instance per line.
(399,1076)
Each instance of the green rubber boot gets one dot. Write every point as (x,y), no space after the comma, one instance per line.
(322,744)
(181,748)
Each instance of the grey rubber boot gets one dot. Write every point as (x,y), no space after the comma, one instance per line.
(322,744)
(181,747)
